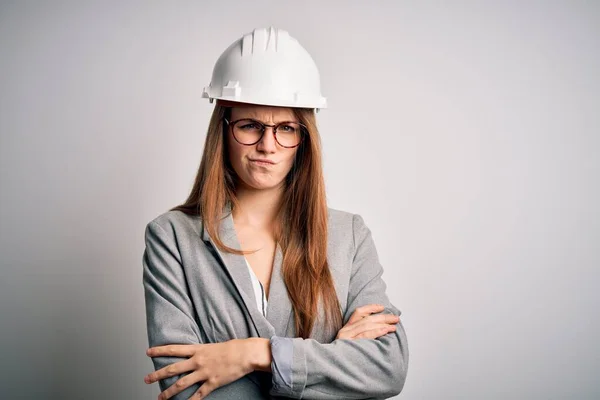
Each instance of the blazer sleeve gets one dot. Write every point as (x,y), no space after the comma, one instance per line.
(169,310)
(347,368)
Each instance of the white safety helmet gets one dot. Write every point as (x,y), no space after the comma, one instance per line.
(267,67)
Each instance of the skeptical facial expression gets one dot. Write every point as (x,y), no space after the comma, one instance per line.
(265,164)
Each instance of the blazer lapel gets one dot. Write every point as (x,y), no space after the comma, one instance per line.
(279,307)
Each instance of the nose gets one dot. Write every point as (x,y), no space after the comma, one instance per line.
(267,143)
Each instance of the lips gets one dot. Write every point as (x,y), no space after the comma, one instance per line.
(262,161)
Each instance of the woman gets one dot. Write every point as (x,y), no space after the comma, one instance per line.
(254,288)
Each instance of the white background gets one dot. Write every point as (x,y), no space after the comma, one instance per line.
(465,133)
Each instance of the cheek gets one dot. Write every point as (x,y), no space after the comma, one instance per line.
(236,153)
(290,160)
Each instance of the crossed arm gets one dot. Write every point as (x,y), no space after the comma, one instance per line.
(301,368)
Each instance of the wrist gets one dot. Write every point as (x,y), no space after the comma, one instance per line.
(259,354)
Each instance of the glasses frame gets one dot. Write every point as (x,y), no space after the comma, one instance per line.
(231,124)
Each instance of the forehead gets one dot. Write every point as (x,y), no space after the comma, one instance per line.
(263,113)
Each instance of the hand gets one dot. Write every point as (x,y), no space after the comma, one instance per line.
(362,325)
(217,364)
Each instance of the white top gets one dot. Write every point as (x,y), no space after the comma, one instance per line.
(259,291)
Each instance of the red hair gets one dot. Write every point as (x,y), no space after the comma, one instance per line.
(301,228)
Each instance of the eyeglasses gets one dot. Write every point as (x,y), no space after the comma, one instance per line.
(249,131)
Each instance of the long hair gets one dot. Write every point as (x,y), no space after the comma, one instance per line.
(301,227)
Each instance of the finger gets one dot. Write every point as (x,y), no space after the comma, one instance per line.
(371,322)
(368,309)
(170,370)
(181,384)
(207,387)
(375,333)
(363,311)
(343,333)
(379,319)
(181,350)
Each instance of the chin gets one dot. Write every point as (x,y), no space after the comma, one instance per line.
(263,185)
(266,187)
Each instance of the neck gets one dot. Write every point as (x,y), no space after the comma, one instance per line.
(257,208)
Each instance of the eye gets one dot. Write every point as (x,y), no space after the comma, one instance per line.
(288,128)
(249,125)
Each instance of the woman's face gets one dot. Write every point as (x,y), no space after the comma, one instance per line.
(252,174)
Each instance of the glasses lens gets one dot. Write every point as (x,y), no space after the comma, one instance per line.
(247,131)
(289,134)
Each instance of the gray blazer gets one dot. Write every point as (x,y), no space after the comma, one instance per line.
(196,293)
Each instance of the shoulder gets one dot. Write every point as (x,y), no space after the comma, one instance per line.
(338,217)
(175,222)
(343,218)
(345,224)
